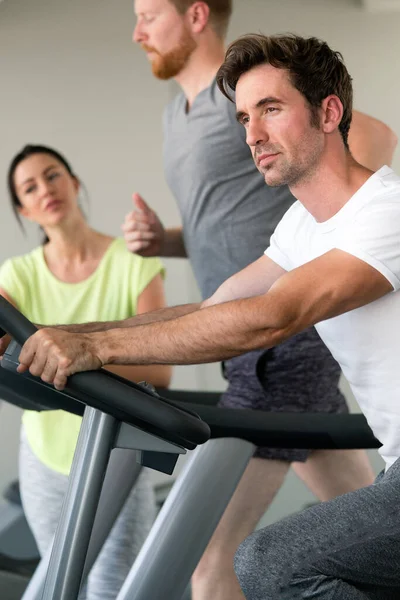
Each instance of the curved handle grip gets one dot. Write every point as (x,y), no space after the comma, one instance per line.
(14,323)
(113,394)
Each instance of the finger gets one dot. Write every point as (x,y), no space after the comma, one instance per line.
(60,380)
(27,353)
(63,371)
(38,363)
(138,247)
(135,225)
(140,204)
(136,215)
(49,370)
(139,236)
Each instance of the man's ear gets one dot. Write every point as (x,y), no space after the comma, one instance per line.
(199,16)
(332,113)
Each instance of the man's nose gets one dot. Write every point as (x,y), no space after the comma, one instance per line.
(138,35)
(256,134)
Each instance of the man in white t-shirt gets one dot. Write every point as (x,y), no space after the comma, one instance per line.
(333,261)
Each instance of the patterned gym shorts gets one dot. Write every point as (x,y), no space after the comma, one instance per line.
(299,375)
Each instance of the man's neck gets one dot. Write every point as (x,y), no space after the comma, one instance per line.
(331,186)
(201,70)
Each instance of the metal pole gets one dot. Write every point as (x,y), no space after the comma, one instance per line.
(187,521)
(71,542)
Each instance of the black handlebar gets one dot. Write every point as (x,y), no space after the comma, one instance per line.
(114,395)
(14,322)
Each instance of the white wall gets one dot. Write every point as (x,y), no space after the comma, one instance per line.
(369,43)
(70,77)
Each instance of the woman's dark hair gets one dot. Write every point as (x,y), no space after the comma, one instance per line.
(26,152)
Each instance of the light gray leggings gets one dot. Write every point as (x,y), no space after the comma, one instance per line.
(43,491)
(344,549)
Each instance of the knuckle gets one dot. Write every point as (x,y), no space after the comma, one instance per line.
(33,370)
(44,336)
(40,335)
(64,362)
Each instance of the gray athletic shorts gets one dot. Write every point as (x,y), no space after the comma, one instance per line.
(344,549)
(299,375)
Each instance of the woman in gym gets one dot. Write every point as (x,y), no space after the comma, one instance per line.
(77,275)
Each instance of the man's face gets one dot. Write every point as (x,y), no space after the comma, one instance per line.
(165,35)
(285,140)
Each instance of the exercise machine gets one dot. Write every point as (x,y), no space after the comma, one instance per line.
(117,414)
(200,494)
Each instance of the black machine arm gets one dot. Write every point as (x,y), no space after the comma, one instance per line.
(127,401)
(135,404)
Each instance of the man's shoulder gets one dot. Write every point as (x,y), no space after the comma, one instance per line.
(384,180)
(226,106)
(209,98)
(389,180)
(381,195)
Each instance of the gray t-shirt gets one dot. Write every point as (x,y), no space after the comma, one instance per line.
(228,212)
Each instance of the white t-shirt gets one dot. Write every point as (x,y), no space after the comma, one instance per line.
(365,341)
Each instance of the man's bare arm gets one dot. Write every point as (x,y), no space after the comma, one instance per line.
(328,286)
(174,246)
(323,288)
(254,280)
(163,314)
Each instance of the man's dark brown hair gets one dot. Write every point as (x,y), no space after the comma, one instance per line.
(220,13)
(314,69)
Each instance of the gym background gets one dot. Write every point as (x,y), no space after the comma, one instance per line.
(72,79)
